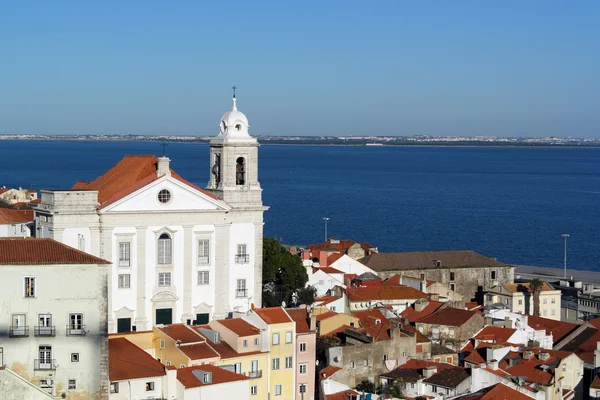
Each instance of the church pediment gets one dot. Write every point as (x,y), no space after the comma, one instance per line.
(165,195)
(164,296)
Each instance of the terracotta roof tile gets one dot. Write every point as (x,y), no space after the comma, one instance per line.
(427,259)
(383,293)
(299,315)
(558,329)
(495,333)
(199,351)
(524,287)
(35,251)
(325,315)
(326,299)
(223,349)
(334,257)
(339,245)
(449,317)
(412,315)
(10,216)
(370,317)
(181,333)
(273,315)
(219,375)
(328,270)
(345,395)
(239,326)
(498,391)
(448,378)
(328,371)
(127,361)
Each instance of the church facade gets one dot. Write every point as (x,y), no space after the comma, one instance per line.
(178,253)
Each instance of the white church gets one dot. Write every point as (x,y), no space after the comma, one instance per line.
(179,253)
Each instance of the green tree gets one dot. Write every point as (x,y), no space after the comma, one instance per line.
(535,287)
(306,295)
(366,386)
(284,276)
(394,389)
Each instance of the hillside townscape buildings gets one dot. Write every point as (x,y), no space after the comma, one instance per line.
(142,285)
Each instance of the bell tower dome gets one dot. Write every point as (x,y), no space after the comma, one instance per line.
(234,161)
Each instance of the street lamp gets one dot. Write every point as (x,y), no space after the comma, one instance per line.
(325,219)
(565,235)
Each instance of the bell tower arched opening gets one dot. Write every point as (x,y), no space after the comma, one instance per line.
(240,171)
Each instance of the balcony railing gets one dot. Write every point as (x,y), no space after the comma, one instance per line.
(254,374)
(242,258)
(45,364)
(76,330)
(202,260)
(124,263)
(241,293)
(18,331)
(44,331)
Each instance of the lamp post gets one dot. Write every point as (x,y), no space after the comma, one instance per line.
(565,235)
(325,219)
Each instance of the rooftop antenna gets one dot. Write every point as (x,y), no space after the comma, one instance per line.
(164,148)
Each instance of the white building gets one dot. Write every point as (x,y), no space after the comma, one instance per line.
(179,253)
(13,196)
(53,317)
(16,223)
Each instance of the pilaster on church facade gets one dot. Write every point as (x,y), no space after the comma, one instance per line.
(179,253)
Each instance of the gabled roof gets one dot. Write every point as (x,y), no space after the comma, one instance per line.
(525,287)
(427,260)
(300,315)
(35,251)
(370,317)
(449,317)
(417,366)
(498,391)
(558,329)
(198,351)
(181,333)
(334,257)
(127,361)
(325,315)
(223,349)
(413,315)
(273,315)
(328,371)
(327,270)
(326,299)
(495,334)
(448,378)
(218,375)
(339,245)
(10,216)
(239,326)
(130,174)
(371,293)
(584,344)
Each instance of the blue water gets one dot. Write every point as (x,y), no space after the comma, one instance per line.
(509,203)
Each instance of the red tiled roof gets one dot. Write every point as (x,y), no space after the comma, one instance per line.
(524,287)
(474,357)
(449,317)
(383,293)
(199,351)
(10,216)
(223,349)
(127,361)
(328,270)
(301,317)
(495,333)
(128,175)
(335,331)
(239,326)
(370,317)
(325,315)
(420,337)
(345,395)
(326,299)
(471,305)
(35,251)
(273,315)
(334,257)
(328,371)
(558,329)
(181,333)
(219,375)
(498,391)
(595,383)
(342,245)
(4,190)
(412,315)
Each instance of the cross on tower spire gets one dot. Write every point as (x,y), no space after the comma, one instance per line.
(234,88)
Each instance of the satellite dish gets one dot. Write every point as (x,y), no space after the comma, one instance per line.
(283,304)
(252,306)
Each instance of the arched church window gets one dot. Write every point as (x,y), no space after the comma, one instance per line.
(238,127)
(216,169)
(165,250)
(240,171)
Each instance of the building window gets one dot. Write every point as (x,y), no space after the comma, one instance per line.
(288,337)
(168,363)
(29,286)
(203,278)
(352,364)
(72,384)
(256,342)
(288,362)
(242,257)
(81,242)
(451,332)
(553,300)
(75,324)
(203,252)
(422,277)
(241,290)
(276,338)
(164,279)
(124,281)
(452,287)
(245,343)
(505,301)
(520,302)
(149,386)
(493,275)
(114,387)
(45,361)
(544,313)
(302,388)
(124,254)
(545,301)
(74,357)
(164,196)
(366,362)
(253,390)
(553,312)
(165,250)
(452,277)
(275,364)
(303,368)
(385,357)
(278,390)
(240,171)
(302,347)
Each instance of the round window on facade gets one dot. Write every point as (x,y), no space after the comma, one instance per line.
(238,127)
(164,196)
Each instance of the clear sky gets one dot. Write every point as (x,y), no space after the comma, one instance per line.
(506,68)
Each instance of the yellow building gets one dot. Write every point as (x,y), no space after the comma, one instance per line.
(278,337)
(331,321)
(518,297)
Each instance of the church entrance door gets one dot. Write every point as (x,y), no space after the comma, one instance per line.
(164,316)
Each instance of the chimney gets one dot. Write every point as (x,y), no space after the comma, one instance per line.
(543,356)
(493,365)
(305,255)
(420,305)
(163,166)
(322,258)
(429,371)
(527,354)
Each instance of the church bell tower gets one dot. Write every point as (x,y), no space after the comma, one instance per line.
(234,162)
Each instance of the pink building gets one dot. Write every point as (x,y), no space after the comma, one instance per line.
(306,348)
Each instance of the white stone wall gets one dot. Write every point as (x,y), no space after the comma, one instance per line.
(15,230)
(136,389)
(230,390)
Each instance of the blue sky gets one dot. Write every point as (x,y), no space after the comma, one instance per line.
(506,68)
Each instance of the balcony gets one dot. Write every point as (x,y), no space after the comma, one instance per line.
(44,331)
(124,263)
(254,374)
(18,331)
(242,258)
(203,260)
(44,364)
(240,293)
(76,330)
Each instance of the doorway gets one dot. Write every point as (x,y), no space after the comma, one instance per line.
(123,325)
(164,316)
